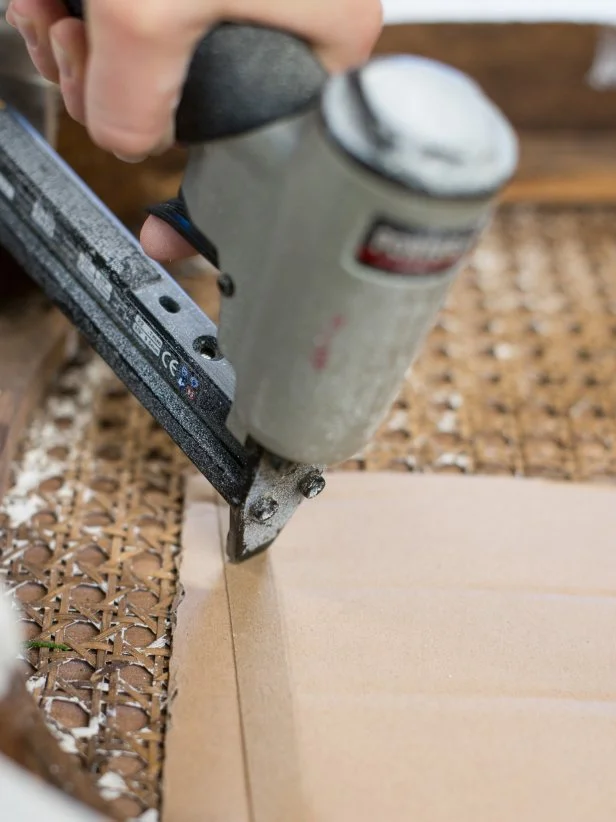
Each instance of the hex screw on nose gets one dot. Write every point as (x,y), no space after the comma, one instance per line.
(263,509)
(226,286)
(312,485)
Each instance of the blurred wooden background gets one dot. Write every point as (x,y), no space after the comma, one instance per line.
(538,74)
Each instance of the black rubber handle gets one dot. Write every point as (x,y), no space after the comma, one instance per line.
(242,77)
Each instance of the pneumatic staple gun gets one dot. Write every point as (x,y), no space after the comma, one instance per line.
(340,209)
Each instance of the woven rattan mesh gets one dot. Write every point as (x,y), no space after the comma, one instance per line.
(518,377)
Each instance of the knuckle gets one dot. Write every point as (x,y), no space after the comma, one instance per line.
(364,22)
(144,21)
(122,141)
(369,24)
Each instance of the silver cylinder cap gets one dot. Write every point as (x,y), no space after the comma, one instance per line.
(422,124)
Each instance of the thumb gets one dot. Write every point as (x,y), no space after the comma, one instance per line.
(139,58)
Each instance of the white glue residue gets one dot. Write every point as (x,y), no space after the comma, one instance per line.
(67,738)
(38,464)
(90,730)
(504,351)
(461,461)
(399,421)
(64,739)
(36,684)
(111,786)
(448,423)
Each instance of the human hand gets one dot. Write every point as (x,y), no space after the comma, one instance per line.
(121,73)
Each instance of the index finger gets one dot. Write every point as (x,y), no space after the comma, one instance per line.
(140,53)
(139,56)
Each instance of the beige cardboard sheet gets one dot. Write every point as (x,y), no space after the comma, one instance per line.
(437,649)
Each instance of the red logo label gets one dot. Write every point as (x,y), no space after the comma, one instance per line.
(414,252)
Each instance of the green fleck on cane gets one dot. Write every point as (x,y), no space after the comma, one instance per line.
(32,644)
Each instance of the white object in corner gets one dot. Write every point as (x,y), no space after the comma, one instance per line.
(464,11)
(22,796)
(25,797)
(9,642)
(602,74)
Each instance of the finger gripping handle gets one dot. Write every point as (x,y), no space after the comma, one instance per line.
(242,77)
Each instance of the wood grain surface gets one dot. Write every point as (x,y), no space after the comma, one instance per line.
(33,342)
(565,167)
